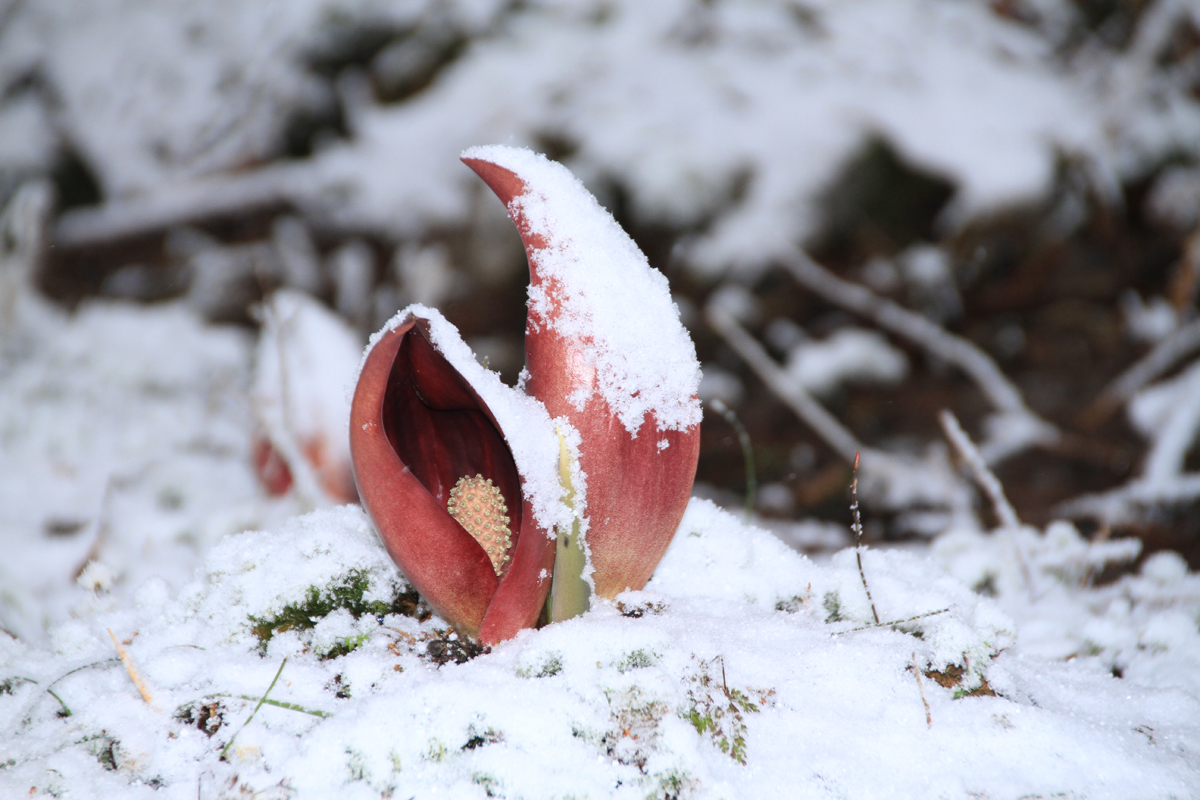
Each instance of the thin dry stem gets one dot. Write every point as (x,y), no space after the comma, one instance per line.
(857,525)
(921,688)
(979,469)
(896,319)
(892,623)
(824,424)
(134,675)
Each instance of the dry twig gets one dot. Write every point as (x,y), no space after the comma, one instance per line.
(893,481)
(134,675)
(979,469)
(1161,358)
(806,407)
(857,525)
(953,349)
(921,687)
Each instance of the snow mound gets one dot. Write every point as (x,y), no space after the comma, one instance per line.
(743,669)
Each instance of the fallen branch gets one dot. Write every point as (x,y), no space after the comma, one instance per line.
(989,483)
(1164,355)
(220,196)
(1174,438)
(1123,504)
(893,481)
(979,469)
(1162,480)
(956,350)
(806,407)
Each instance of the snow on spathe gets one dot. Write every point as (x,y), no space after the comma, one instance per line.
(611,300)
(527,428)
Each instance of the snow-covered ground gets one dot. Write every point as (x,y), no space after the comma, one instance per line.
(743,670)
(170,628)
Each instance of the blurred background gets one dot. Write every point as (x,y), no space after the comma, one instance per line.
(869,212)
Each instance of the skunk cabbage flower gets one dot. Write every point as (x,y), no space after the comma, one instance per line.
(303,366)
(457,471)
(471,483)
(605,349)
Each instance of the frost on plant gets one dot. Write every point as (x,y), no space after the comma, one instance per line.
(718,711)
(347,593)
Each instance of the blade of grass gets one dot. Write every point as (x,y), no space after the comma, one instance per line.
(743,437)
(276,703)
(261,700)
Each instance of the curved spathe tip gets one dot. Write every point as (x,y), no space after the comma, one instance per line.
(593,288)
(606,350)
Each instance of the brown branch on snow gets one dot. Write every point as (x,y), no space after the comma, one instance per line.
(1021,427)
(979,469)
(1123,503)
(1161,358)
(217,196)
(806,407)
(134,675)
(1162,479)
(891,480)
(988,482)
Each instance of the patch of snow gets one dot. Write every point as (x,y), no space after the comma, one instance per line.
(849,355)
(1150,321)
(126,442)
(629,700)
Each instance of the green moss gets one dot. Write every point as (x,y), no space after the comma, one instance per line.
(833,607)
(673,784)
(490,785)
(346,592)
(345,646)
(550,665)
(8,684)
(477,739)
(436,752)
(102,747)
(637,659)
(791,605)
